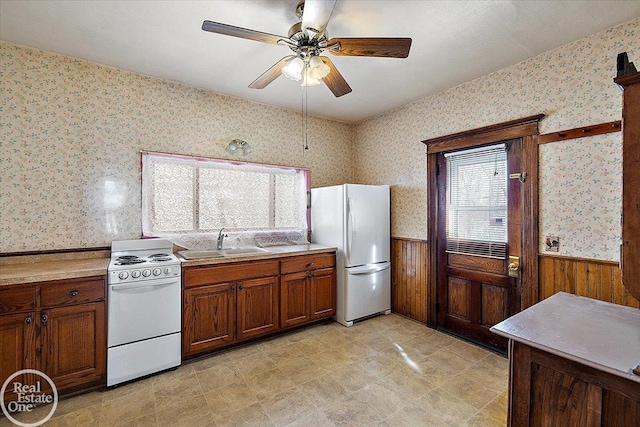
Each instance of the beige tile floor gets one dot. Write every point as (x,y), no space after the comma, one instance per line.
(384,371)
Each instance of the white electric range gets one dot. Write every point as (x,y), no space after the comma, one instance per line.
(144,309)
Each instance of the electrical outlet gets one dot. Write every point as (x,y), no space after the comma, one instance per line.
(551,243)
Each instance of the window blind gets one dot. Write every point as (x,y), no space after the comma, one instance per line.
(477,201)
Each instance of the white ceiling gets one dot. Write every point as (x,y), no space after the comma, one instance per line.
(453,42)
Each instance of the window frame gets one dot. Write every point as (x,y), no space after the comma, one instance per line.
(148,208)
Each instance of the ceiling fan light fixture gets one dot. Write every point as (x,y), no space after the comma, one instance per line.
(294,68)
(317,68)
(308,80)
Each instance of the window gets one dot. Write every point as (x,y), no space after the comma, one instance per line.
(183,195)
(477,201)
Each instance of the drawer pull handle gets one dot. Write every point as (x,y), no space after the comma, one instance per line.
(28,320)
(45,318)
(232,288)
(73,294)
(310,265)
(240,287)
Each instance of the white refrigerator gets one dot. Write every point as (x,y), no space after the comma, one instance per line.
(356,219)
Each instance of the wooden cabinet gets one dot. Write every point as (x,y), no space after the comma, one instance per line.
(73,344)
(294,299)
(228,303)
(257,304)
(630,253)
(548,390)
(64,335)
(323,293)
(17,337)
(307,289)
(209,317)
(571,363)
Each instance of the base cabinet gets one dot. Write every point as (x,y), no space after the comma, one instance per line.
(307,289)
(257,302)
(73,338)
(548,390)
(229,303)
(62,332)
(209,317)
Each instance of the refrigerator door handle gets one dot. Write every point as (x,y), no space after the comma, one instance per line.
(367,269)
(349,228)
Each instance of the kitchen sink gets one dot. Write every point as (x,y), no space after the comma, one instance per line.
(222,253)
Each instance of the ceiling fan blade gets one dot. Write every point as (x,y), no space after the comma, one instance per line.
(316,14)
(230,30)
(386,47)
(334,80)
(271,74)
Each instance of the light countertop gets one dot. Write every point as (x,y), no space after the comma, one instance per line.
(594,333)
(31,269)
(274,252)
(31,272)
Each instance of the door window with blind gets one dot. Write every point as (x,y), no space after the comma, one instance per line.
(189,199)
(477,201)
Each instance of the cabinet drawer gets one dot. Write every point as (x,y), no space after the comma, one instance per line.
(69,292)
(17,299)
(307,262)
(198,276)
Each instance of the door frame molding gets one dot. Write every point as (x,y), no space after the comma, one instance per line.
(528,130)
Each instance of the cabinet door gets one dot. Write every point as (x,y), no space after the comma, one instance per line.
(294,299)
(323,293)
(208,320)
(17,341)
(257,305)
(74,344)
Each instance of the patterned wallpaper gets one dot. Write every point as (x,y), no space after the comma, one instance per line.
(71,134)
(580,180)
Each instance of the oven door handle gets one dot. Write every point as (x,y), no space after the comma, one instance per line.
(143,285)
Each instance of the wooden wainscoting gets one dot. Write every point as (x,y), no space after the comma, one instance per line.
(409,264)
(585,277)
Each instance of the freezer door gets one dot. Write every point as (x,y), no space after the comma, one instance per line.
(368,224)
(367,290)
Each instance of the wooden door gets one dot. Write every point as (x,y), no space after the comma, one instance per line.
(258,308)
(208,317)
(294,299)
(474,289)
(18,344)
(323,293)
(74,344)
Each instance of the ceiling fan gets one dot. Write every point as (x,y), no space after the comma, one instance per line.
(308,39)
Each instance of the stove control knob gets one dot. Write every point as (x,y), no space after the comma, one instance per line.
(157,271)
(167,270)
(123,275)
(146,272)
(135,274)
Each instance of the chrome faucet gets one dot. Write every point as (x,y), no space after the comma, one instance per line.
(221,237)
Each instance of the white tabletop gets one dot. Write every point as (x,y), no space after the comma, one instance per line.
(595,333)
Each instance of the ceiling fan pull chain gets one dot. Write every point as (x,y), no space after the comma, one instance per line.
(305,125)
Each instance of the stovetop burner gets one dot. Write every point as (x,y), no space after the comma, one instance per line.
(128,261)
(157,259)
(162,255)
